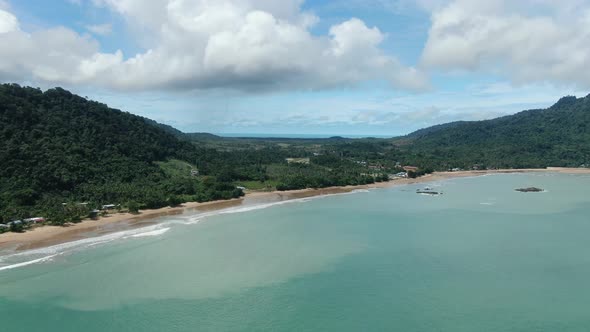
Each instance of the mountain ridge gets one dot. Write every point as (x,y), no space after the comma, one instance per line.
(57,147)
(558,136)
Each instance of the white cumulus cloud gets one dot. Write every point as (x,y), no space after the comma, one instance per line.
(247,45)
(8,22)
(526,41)
(100,29)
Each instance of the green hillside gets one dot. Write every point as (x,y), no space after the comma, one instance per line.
(557,136)
(56,147)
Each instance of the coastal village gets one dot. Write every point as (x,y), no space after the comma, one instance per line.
(27,223)
(13,225)
(374,170)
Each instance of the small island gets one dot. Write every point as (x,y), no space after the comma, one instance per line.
(428,191)
(530,190)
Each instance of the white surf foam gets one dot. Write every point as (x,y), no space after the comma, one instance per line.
(429,195)
(83,243)
(149,231)
(156,232)
(192,220)
(31,262)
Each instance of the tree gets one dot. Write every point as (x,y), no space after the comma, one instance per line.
(174,201)
(17,227)
(133,207)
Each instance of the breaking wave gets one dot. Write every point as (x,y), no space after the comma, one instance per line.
(41,255)
(34,261)
(156,232)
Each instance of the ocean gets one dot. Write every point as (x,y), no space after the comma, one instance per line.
(480,257)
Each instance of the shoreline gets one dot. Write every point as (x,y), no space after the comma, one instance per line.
(46,236)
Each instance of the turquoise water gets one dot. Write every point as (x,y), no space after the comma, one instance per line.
(481,257)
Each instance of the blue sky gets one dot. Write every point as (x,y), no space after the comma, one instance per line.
(349,67)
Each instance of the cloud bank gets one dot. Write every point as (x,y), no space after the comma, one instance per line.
(269,45)
(247,45)
(525,41)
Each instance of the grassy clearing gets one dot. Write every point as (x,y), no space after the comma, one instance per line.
(258,186)
(176,168)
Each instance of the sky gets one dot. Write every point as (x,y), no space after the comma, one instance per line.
(316,67)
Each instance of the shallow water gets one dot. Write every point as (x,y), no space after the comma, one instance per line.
(481,257)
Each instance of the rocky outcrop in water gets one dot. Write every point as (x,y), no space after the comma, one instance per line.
(530,190)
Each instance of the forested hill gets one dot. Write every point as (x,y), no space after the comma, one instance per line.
(166,128)
(57,147)
(430,130)
(557,136)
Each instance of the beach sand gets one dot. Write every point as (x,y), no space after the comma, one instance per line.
(45,236)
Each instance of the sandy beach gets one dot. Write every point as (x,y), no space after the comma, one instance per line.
(52,235)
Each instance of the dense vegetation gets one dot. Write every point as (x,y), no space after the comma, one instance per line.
(62,156)
(58,150)
(557,136)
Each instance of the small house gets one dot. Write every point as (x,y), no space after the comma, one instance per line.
(109,207)
(399,175)
(3,226)
(37,220)
(241,188)
(411,169)
(94,214)
(194,172)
